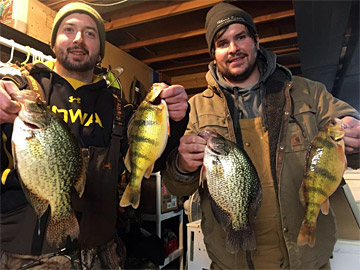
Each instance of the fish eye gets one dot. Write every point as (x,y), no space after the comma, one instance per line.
(332,123)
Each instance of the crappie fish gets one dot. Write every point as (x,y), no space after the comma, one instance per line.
(234,187)
(324,169)
(49,162)
(148,134)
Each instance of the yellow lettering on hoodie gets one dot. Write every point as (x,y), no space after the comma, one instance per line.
(77,115)
(63,111)
(91,120)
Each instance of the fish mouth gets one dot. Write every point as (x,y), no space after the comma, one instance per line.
(30,125)
(337,131)
(212,143)
(213,149)
(338,136)
(156,101)
(22,116)
(208,134)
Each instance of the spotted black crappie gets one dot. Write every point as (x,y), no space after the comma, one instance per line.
(234,187)
(325,166)
(49,162)
(148,135)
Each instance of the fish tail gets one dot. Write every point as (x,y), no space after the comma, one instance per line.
(243,239)
(62,226)
(131,197)
(307,235)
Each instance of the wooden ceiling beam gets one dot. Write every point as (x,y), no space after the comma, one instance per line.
(174,56)
(275,16)
(202,51)
(158,13)
(184,66)
(198,32)
(286,51)
(278,37)
(154,41)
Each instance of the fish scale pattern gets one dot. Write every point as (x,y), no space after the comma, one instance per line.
(49,162)
(233,185)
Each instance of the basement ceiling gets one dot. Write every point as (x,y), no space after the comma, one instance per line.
(315,39)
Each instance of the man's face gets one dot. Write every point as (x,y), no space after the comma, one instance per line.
(236,53)
(77,45)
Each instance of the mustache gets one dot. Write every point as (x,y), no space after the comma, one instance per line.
(237,55)
(77,47)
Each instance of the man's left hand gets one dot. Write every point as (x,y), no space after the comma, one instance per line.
(176,99)
(352,134)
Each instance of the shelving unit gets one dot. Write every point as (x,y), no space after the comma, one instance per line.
(158,217)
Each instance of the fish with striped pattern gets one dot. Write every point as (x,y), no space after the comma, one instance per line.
(324,169)
(148,134)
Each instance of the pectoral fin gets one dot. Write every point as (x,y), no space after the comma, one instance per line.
(149,171)
(325,207)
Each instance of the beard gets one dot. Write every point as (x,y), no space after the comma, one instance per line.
(62,56)
(239,76)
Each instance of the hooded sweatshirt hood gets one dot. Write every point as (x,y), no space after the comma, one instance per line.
(248,101)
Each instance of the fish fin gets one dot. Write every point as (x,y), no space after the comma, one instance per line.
(255,204)
(149,171)
(202,176)
(242,239)
(341,149)
(61,226)
(302,194)
(80,182)
(13,153)
(38,204)
(325,207)
(307,235)
(127,161)
(221,216)
(131,197)
(168,126)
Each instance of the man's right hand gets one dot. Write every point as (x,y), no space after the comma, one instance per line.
(8,108)
(191,150)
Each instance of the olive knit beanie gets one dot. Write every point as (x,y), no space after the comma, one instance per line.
(222,15)
(77,7)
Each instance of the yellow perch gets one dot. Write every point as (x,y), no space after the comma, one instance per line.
(325,166)
(148,135)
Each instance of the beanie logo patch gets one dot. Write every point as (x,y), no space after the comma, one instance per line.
(229,20)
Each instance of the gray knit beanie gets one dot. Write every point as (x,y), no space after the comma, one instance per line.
(222,15)
(77,7)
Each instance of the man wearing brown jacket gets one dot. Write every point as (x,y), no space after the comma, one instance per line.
(257,103)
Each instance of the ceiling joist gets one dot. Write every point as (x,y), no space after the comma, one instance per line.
(198,32)
(170,9)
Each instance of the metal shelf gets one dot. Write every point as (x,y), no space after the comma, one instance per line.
(158,217)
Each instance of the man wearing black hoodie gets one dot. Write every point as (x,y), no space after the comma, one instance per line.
(98,117)
(272,115)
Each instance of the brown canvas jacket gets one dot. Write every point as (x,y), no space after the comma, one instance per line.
(295,110)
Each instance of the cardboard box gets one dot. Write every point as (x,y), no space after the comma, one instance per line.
(147,205)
